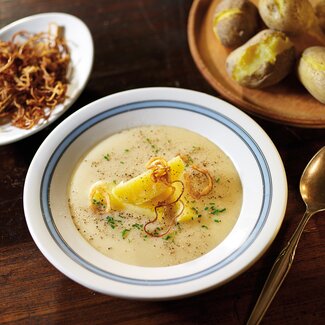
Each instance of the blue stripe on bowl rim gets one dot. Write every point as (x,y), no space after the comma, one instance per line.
(140,106)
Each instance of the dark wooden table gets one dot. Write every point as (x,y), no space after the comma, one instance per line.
(139,44)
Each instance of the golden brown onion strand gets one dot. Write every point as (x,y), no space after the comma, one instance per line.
(166,204)
(33,76)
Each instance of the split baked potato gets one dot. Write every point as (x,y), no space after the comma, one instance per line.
(311,71)
(235,21)
(262,61)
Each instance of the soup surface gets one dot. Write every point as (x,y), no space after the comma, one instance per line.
(159,223)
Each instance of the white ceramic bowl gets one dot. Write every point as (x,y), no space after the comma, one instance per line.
(252,152)
(80,42)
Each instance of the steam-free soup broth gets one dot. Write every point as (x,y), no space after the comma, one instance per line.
(155,196)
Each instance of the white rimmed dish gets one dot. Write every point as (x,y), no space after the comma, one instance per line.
(255,157)
(81,47)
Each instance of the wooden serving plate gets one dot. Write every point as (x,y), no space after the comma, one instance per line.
(287,102)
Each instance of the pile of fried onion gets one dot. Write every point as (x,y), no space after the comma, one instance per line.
(33,76)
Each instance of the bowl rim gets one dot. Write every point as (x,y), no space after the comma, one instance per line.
(131,289)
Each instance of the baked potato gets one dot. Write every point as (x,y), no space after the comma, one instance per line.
(235,21)
(290,16)
(311,71)
(320,14)
(262,61)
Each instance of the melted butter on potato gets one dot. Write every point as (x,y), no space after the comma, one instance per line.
(263,61)
(258,54)
(316,65)
(226,14)
(235,21)
(280,6)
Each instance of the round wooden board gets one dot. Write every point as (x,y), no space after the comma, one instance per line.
(287,102)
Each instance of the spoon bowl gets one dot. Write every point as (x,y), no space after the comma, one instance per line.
(312,190)
(80,43)
(312,183)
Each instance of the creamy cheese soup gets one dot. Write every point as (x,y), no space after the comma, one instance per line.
(155,196)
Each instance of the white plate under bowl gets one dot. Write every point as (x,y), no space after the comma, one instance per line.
(255,157)
(80,43)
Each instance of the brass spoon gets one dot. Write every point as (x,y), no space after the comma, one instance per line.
(312,190)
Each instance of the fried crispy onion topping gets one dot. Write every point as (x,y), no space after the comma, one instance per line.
(160,170)
(196,193)
(167,207)
(33,76)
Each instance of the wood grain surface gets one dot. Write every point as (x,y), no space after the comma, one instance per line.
(138,44)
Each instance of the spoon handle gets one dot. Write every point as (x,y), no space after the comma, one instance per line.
(278,273)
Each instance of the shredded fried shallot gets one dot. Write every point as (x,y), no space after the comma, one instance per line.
(185,158)
(160,170)
(168,205)
(196,194)
(33,76)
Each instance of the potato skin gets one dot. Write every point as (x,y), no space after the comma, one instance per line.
(312,78)
(297,16)
(267,73)
(320,13)
(236,29)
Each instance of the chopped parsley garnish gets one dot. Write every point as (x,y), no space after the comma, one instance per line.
(156,231)
(99,203)
(125,233)
(107,157)
(137,226)
(195,210)
(189,160)
(171,235)
(153,146)
(217,220)
(111,221)
(214,210)
(204,226)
